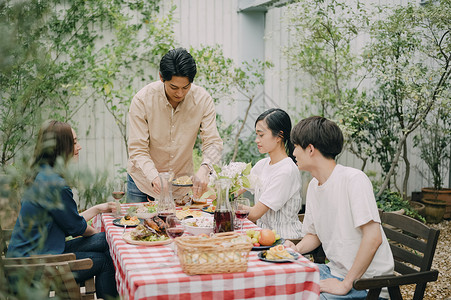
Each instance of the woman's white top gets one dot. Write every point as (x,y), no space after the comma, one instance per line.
(279,188)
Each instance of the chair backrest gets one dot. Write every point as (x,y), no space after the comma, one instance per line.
(53,272)
(412,242)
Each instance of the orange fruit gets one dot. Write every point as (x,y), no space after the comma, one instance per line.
(267,237)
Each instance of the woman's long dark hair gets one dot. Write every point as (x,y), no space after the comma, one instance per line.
(279,122)
(55,139)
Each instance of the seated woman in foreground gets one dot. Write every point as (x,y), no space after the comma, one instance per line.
(278,192)
(49,213)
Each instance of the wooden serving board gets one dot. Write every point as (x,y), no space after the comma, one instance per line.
(194,206)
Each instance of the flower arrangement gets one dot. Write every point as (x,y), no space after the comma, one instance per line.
(238,173)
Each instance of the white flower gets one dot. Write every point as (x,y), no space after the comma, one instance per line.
(237,172)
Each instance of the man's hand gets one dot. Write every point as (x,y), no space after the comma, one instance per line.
(200,181)
(334,286)
(156,184)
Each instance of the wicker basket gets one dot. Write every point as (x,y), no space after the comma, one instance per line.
(217,254)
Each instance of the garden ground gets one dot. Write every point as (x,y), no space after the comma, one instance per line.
(440,289)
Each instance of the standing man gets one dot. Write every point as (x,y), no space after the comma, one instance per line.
(164,120)
(341,213)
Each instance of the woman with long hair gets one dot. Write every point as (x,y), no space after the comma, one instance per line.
(278,192)
(49,213)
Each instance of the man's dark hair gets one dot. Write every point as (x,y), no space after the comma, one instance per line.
(322,133)
(178,62)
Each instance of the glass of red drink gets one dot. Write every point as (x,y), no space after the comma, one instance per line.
(174,229)
(242,207)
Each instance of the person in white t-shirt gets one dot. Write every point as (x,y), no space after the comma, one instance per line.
(341,213)
(278,192)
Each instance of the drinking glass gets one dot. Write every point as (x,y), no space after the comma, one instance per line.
(174,228)
(118,193)
(166,204)
(242,209)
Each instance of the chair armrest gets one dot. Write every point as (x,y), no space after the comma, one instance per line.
(394,280)
(55,257)
(80,264)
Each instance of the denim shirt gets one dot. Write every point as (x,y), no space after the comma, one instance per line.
(48,214)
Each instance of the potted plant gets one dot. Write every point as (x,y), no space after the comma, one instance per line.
(394,202)
(434,144)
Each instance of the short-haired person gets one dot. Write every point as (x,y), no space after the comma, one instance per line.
(341,213)
(164,120)
(49,214)
(278,192)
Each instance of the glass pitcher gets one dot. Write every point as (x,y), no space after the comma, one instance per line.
(166,204)
(223,218)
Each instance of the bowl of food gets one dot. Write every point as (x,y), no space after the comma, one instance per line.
(196,226)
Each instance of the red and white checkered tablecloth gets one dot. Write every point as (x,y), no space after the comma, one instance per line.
(141,275)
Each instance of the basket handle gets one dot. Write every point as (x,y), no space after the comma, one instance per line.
(225,234)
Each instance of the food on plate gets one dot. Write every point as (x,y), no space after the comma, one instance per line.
(185,211)
(278,252)
(142,233)
(143,209)
(183,180)
(156,224)
(209,208)
(264,237)
(200,200)
(129,220)
(199,222)
(184,200)
(196,226)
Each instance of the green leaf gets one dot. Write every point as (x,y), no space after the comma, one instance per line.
(247,171)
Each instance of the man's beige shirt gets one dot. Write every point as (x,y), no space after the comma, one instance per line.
(162,139)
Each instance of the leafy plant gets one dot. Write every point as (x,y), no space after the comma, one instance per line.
(393,201)
(406,66)
(64,56)
(227,83)
(410,63)
(434,142)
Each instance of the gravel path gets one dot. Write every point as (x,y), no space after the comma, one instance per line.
(440,289)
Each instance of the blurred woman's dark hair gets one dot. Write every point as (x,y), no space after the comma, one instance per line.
(178,62)
(320,132)
(279,122)
(55,139)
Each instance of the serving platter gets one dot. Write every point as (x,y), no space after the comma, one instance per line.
(259,248)
(262,256)
(127,238)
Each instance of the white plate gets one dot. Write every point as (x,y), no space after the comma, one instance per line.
(126,237)
(262,256)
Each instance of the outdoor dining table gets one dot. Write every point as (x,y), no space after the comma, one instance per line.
(152,272)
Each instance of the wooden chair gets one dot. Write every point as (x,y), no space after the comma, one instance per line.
(50,272)
(318,254)
(413,246)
